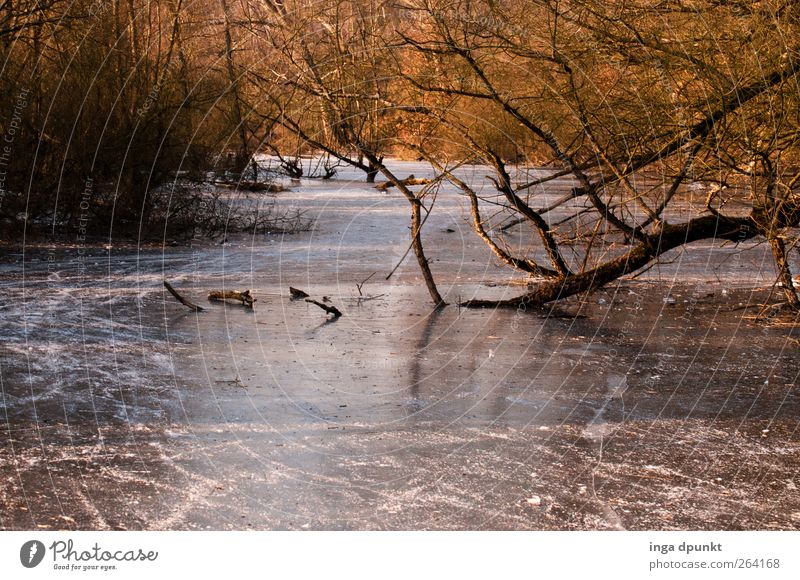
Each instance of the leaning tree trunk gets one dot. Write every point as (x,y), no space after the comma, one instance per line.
(669,237)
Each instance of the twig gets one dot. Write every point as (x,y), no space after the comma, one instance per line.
(368,298)
(769,311)
(364,281)
(402,259)
(181,299)
(329,309)
(411,245)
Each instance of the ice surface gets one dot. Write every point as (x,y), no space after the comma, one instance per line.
(121,409)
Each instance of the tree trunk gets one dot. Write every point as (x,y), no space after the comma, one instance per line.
(243,155)
(670,237)
(416,226)
(373,169)
(784,272)
(416,242)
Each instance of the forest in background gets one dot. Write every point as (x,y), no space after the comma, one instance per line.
(106,102)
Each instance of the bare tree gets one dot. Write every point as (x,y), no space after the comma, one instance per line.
(634,103)
(329,78)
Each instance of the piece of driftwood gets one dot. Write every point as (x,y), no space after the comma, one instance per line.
(297,294)
(181,299)
(221,295)
(410,180)
(329,309)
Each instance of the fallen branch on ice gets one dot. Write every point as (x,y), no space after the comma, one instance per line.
(221,295)
(181,299)
(329,309)
(297,294)
(410,180)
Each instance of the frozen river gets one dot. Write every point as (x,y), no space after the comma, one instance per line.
(663,406)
